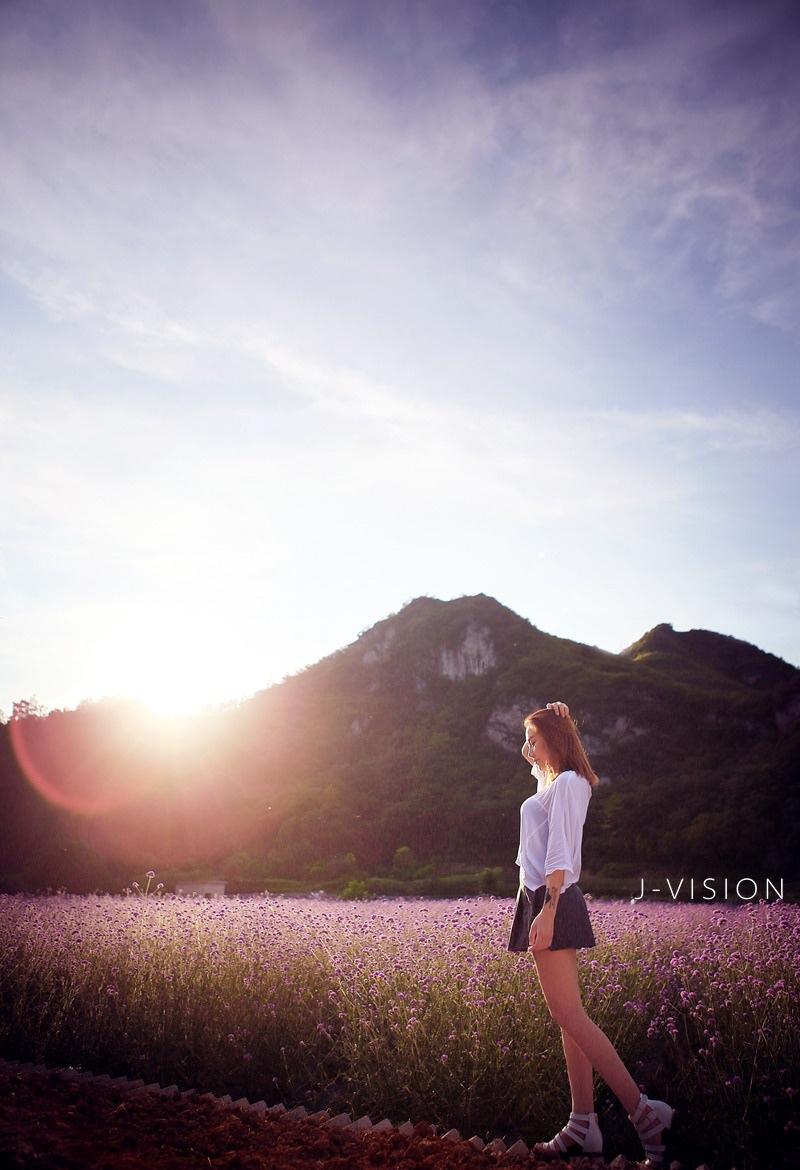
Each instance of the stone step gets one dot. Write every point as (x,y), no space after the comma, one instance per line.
(518,1150)
(362,1123)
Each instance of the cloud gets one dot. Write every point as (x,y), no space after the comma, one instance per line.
(300,165)
(634,183)
(757,429)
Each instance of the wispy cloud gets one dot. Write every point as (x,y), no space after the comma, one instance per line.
(578,184)
(757,429)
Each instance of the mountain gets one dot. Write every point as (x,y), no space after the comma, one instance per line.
(705,657)
(410,737)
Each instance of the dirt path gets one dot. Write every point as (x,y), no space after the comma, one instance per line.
(49,1123)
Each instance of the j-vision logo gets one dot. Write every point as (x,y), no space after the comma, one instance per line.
(745,889)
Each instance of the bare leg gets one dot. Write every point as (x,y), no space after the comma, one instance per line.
(558,975)
(579,1071)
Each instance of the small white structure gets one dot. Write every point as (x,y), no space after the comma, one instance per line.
(202,889)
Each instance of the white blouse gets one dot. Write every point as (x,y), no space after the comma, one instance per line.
(551,829)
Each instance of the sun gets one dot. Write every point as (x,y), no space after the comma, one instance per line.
(177,693)
(176,663)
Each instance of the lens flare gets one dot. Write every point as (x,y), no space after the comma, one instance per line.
(79,763)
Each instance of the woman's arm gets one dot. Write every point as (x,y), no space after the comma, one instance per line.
(553,885)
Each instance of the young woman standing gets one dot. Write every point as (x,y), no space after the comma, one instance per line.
(551,919)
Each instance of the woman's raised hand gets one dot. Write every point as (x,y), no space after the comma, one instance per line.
(559,708)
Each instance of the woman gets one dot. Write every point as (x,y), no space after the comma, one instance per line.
(552,921)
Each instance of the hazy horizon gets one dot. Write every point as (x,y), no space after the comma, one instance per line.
(199,708)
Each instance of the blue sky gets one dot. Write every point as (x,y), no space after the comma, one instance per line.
(311,308)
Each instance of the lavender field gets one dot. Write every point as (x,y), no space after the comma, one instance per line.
(415,1009)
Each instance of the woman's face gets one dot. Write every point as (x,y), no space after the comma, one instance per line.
(538,751)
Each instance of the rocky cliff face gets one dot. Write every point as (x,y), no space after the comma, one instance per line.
(504,725)
(380,647)
(475,655)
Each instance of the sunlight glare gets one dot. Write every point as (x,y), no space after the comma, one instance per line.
(175,663)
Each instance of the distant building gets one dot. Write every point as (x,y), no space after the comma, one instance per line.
(202,889)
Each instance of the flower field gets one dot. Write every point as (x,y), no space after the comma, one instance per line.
(414,1009)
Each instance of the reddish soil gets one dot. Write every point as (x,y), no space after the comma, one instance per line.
(48,1123)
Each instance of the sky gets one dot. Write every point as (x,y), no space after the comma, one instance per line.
(310,307)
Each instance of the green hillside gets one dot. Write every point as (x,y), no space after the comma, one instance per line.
(408,739)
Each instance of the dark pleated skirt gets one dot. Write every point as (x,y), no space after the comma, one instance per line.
(571,928)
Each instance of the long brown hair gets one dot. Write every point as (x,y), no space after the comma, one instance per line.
(562,738)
